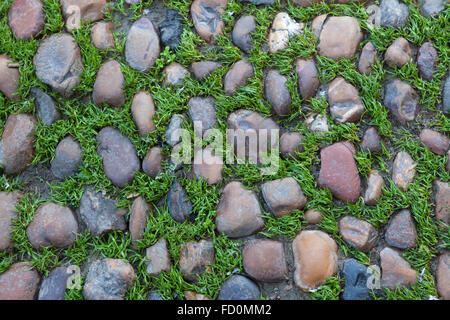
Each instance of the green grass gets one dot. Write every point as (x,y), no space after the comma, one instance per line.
(82,119)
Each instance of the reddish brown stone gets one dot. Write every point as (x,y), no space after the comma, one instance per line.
(237,76)
(308,81)
(102,35)
(435,141)
(108,87)
(158,258)
(52,225)
(26,18)
(401,232)
(442,198)
(238,212)
(143,110)
(368,57)
(138,219)
(18,143)
(8,213)
(290,143)
(340,37)
(371,141)
(396,271)
(398,53)
(152,163)
(338,171)
(283,195)
(264,260)
(19,282)
(315,257)
(196,258)
(443,276)
(207,18)
(9,79)
(313,216)
(359,233)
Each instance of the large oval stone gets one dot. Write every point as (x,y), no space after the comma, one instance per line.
(108,87)
(19,282)
(26,18)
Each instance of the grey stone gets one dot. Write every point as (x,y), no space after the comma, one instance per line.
(170,30)
(238,287)
(54,286)
(178,203)
(393,13)
(446,95)
(45,106)
(431,7)
(172,134)
(68,158)
(202,110)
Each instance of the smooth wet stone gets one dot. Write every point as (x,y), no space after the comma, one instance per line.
(315,258)
(356,276)
(202,69)
(26,18)
(435,141)
(373,192)
(208,166)
(238,287)
(102,35)
(109,84)
(237,76)
(338,171)
(443,276)
(9,79)
(427,59)
(120,161)
(442,200)
(238,213)
(202,113)
(173,134)
(395,271)
(19,282)
(54,286)
(242,30)
(290,143)
(402,100)
(317,123)
(178,203)
(371,141)
(367,58)
(393,13)
(143,110)
(108,279)
(277,93)
(74,11)
(207,18)
(344,100)
(403,170)
(138,219)
(52,225)
(264,260)
(171,29)
(17,145)
(142,46)
(283,195)
(58,63)
(158,258)
(340,37)
(68,158)
(401,231)
(431,7)
(152,163)
(100,214)
(358,233)
(45,106)
(196,258)
(313,216)
(398,53)
(308,81)
(253,125)
(283,28)
(175,74)
(8,213)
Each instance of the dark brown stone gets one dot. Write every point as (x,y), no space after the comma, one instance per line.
(443,276)
(195,258)
(152,163)
(308,81)
(401,232)
(178,203)
(368,57)
(26,18)
(398,53)
(237,76)
(442,198)
(290,143)
(138,219)
(435,141)
(358,233)
(277,93)
(371,141)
